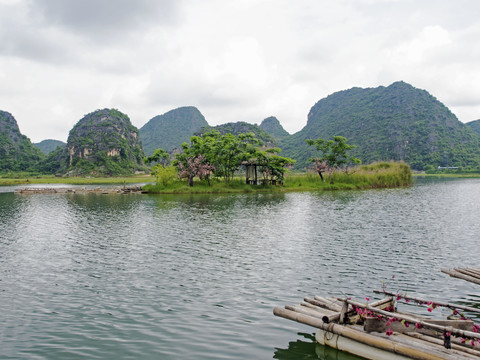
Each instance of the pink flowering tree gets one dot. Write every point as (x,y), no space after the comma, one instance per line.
(191,167)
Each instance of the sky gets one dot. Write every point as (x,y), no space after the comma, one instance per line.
(239,60)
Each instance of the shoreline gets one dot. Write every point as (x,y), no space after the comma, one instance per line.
(83,190)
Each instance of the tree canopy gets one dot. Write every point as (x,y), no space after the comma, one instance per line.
(333,154)
(214,154)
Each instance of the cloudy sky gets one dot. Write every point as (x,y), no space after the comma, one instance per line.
(239,60)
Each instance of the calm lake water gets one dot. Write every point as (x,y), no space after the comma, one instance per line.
(177,277)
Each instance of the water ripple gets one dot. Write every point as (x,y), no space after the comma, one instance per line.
(111,276)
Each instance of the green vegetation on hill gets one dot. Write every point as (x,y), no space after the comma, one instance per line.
(272,126)
(103,142)
(17,152)
(47,146)
(398,122)
(475,126)
(170,130)
(241,127)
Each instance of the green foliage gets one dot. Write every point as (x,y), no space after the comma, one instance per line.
(164,174)
(272,166)
(272,126)
(224,154)
(47,146)
(333,154)
(159,156)
(475,126)
(398,122)
(241,127)
(17,153)
(55,162)
(101,143)
(171,129)
(376,175)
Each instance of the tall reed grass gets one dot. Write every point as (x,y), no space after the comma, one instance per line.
(376,175)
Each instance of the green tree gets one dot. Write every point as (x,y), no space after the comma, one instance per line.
(231,151)
(333,154)
(196,158)
(272,166)
(159,156)
(164,174)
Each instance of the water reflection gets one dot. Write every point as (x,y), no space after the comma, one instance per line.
(90,275)
(306,348)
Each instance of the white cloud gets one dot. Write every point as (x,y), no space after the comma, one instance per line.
(236,61)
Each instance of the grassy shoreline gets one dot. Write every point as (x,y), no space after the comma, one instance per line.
(9,181)
(379,175)
(375,176)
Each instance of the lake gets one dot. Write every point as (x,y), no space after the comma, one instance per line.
(197,276)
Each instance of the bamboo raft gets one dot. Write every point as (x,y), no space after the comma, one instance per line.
(468,274)
(378,331)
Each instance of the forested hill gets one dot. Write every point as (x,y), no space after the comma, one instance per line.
(475,126)
(170,130)
(103,142)
(274,128)
(47,146)
(17,152)
(398,122)
(242,127)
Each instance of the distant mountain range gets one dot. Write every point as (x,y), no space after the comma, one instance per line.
(397,122)
(242,127)
(47,146)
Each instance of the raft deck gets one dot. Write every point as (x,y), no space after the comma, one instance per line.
(469,274)
(378,331)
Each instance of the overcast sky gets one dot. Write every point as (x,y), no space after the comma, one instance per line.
(241,60)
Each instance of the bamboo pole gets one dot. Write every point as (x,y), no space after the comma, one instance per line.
(438,303)
(413,320)
(357,335)
(331,303)
(474,270)
(316,308)
(456,274)
(468,272)
(349,311)
(322,304)
(437,341)
(305,311)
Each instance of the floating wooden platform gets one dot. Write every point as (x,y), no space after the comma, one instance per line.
(468,274)
(378,331)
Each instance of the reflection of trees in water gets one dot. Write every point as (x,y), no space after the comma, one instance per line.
(216,202)
(102,202)
(309,349)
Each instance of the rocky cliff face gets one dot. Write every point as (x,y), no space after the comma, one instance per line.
(104,142)
(17,152)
